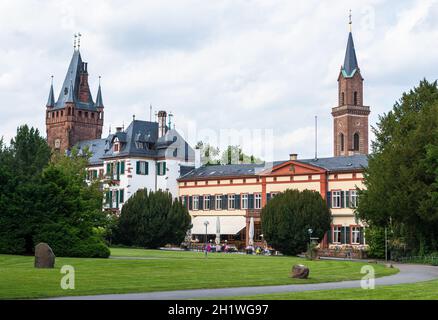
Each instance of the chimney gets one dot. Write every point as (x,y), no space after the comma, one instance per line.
(162,129)
(197,158)
(293,156)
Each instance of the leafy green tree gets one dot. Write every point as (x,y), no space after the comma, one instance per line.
(151,220)
(21,165)
(402,176)
(288,216)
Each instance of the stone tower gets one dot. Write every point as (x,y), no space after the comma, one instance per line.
(74,116)
(350,117)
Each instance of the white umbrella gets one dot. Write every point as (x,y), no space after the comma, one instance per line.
(218,231)
(251,231)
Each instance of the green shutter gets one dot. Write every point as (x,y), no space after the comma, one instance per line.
(122,195)
(213,202)
(201,203)
(225,202)
(329,199)
(268,197)
(118,170)
(117,199)
(110,198)
(146,167)
(190,203)
(108,168)
(347,199)
(237,204)
(347,230)
(164,168)
(342,199)
(329,235)
(343,238)
(122,167)
(137,170)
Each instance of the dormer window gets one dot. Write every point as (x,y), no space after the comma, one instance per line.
(116,146)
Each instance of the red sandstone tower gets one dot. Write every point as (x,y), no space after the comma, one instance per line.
(350,117)
(74,116)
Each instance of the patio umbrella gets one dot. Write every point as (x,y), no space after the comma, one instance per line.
(251,231)
(218,231)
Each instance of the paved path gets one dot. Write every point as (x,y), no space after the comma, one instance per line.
(409,273)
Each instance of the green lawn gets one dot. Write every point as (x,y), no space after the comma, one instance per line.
(427,290)
(156,270)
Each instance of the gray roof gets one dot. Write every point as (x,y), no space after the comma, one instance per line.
(342,163)
(140,140)
(51,98)
(350,60)
(99,100)
(73,78)
(335,164)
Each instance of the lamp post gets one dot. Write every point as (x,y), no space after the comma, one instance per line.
(310,231)
(386,244)
(206,223)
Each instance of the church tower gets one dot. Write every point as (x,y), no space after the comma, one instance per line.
(74,116)
(350,117)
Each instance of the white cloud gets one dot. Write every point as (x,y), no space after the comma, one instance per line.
(219,64)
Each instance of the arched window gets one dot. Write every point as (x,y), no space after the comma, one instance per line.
(341,141)
(69,111)
(342,98)
(355,98)
(356,142)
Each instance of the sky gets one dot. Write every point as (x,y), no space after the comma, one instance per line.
(247,72)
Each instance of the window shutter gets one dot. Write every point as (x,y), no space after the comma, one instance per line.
(118,170)
(117,199)
(122,167)
(164,168)
(329,235)
(213,202)
(108,168)
(237,205)
(94,174)
(201,203)
(110,198)
(361,234)
(251,201)
(348,235)
(342,199)
(146,166)
(343,235)
(268,197)
(329,199)
(190,203)
(225,202)
(347,199)
(122,196)
(137,170)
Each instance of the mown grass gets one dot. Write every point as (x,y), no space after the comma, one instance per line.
(427,290)
(155,270)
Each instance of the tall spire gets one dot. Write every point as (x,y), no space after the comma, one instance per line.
(51,99)
(350,60)
(99,101)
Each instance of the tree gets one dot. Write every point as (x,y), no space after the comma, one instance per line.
(401,179)
(288,216)
(211,155)
(151,220)
(47,200)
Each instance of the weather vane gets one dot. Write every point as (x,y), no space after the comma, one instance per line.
(74,43)
(79,40)
(350,22)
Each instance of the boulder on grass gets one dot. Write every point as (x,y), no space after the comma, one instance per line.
(44,256)
(300,271)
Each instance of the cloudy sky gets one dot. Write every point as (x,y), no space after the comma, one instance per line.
(263,68)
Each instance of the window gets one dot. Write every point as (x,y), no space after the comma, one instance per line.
(353,198)
(355,235)
(355,98)
(336,199)
(336,234)
(244,201)
(122,167)
(142,167)
(121,195)
(356,142)
(231,201)
(218,205)
(341,141)
(257,201)
(206,202)
(116,147)
(161,168)
(195,202)
(342,98)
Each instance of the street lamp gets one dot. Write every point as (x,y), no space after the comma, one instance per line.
(206,223)
(310,231)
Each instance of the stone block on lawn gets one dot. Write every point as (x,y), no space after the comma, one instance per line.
(44,256)
(300,271)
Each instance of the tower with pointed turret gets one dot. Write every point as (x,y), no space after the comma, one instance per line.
(74,116)
(350,117)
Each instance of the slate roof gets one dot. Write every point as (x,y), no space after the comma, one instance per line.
(140,140)
(51,98)
(350,61)
(333,164)
(73,78)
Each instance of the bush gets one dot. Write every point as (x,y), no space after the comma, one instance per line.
(376,242)
(287,218)
(152,220)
